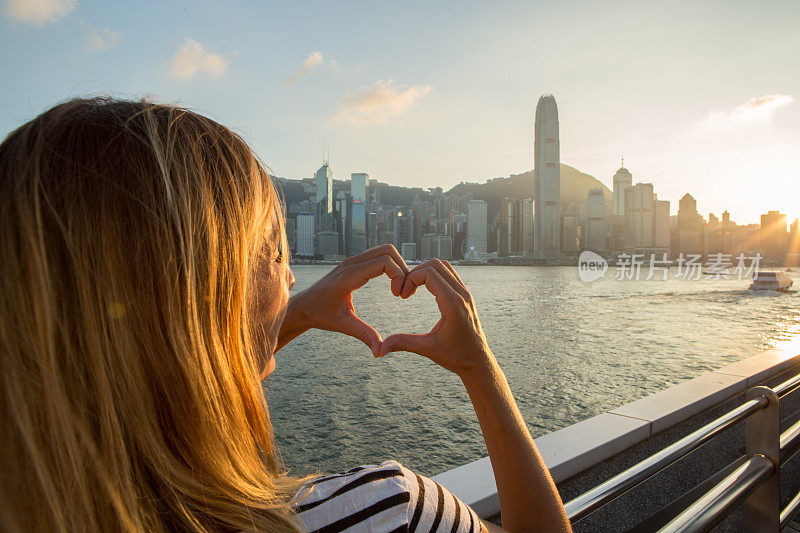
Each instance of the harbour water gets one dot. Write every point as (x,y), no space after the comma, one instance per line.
(570,350)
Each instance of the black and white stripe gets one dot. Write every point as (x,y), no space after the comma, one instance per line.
(386,497)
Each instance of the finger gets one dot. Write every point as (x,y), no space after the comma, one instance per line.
(444,272)
(377,251)
(357,328)
(455,280)
(357,275)
(407,342)
(452,269)
(446,297)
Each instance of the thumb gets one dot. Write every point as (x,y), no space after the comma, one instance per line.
(357,328)
(407,342)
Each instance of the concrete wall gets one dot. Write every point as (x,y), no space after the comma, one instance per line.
(585,454)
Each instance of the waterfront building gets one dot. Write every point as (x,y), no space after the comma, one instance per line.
(622,180)
(291,233)
(596,221)
(476,226)
(773,235)
(639,217)
(425,246)
(547,180)
(403,225)
(328,244)
(305,234)
(661,222)
(306,206)
(372,230)
(793,249)
(359,181)
(341,207)
(324,190)
(616,221)
(526,206)
(408,250)
(691,234)
(357,230)
(515,226)
(570,235)
(616,233)
(509,230)
(387,237)
(442,246)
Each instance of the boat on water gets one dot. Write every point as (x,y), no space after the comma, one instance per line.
(771,281)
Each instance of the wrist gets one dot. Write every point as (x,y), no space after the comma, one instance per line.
(298,315)
(484,371)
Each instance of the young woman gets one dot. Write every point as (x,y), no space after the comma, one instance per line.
(144,290)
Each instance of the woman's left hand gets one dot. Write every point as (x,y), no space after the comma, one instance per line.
(328,304)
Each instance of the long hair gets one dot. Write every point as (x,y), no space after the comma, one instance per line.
(129,233)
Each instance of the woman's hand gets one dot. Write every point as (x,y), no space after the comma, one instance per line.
(456,342)
(529,500)
(328,304)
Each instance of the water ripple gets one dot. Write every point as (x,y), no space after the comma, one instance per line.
(570,350)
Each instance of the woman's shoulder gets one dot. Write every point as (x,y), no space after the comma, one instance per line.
(384,497)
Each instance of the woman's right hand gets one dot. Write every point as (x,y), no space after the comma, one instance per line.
(457,341)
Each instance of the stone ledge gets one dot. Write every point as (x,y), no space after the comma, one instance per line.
(666,408)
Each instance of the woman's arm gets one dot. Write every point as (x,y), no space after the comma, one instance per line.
(328,304)
(528,497)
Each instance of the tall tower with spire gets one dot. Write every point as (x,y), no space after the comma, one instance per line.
(622,180)
(324,181)
(547,180)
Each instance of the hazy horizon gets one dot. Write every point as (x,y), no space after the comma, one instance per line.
(698,98)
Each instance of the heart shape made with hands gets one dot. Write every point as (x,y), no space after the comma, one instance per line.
(403,310)
(413,314)
(331,302)
(442,291)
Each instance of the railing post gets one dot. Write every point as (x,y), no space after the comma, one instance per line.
(762,436)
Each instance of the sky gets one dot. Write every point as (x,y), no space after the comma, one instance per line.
(699,97)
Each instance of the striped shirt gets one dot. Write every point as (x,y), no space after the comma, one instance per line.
(387,497)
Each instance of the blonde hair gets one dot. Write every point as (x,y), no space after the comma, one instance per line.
(131,397)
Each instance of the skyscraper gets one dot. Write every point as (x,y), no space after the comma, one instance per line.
(639,217)
(661,239)
(324,180)
(547,180)
(476,227)
(622,180)
(596,221)
(773,235)
(305,234)
(515,226)
(358,186)
(357,236)
(690,226)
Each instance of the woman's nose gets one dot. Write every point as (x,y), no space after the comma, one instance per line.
(290,277)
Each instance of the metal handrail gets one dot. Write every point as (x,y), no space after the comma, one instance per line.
(714,505)
(788,386)
(757,474)
(618,485)
(790,511)
(790,442)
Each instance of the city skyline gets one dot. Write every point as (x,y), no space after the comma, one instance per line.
(626,178)
(694,101)
(454,225)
